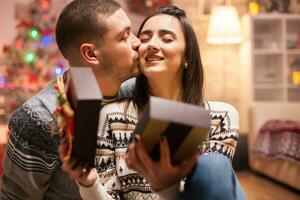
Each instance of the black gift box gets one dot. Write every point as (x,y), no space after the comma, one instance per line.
(184,125)
(85,97)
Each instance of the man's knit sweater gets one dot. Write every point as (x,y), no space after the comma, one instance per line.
(116,181)
(31,165)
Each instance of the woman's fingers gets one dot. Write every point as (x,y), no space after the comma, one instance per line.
(74,173)
(68,166)
(77,173)
(187,166)
(165,158)
(87,178)
(132,158)
(137,158)
(62,148)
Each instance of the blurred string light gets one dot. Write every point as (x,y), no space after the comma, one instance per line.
(47,40)
(296,77)
(2,82)
(34,33)
(149,3)
(11,86)
(29,58)
(58,71)
(45,3)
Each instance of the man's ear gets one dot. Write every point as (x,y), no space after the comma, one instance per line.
(89,53)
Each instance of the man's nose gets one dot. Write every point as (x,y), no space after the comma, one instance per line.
(136,42)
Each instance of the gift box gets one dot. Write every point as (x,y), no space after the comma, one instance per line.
(184,125)
(85,97)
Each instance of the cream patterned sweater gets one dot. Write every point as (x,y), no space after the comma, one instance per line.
(116,181)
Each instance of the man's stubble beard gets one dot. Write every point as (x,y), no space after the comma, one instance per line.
(117,72)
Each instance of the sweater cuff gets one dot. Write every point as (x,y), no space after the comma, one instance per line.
(170,193)
(96,191)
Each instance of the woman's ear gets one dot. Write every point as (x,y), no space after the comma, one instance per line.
(89,53)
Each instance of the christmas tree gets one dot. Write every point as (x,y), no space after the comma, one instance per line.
(32,61)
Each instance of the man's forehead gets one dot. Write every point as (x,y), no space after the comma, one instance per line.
(118,21)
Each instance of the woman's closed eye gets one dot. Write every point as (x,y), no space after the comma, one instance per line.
(167,39)
(164,39)
(144,38)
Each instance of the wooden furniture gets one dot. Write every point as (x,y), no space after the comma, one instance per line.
(275,57)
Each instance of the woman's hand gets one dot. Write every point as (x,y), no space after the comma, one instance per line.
(160,174)
(82,175)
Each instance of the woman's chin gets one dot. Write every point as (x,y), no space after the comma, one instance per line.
(154,74)
(153,67)
(153,71)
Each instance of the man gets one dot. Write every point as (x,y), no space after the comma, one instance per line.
(93,33)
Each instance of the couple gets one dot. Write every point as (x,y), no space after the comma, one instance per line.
(97,33)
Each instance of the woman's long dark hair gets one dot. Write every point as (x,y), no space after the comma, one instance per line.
(192,76)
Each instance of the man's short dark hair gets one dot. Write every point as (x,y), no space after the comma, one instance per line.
(82,21)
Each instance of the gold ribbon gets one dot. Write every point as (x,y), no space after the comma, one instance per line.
(65,117)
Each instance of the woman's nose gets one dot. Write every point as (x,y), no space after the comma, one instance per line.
(152,45)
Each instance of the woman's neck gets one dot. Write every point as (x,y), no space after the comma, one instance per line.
(166,88)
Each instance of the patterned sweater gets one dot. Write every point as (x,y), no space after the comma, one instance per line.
(116,181)
(31,165)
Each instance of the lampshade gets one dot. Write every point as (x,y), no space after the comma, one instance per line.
(224,26)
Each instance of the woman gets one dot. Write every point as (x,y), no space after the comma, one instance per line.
(171,68)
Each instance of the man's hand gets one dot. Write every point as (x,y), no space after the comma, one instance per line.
(160,174)
(82,175)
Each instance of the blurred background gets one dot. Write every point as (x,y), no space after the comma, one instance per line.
(250,51)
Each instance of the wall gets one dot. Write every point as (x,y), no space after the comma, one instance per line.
(7,22)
